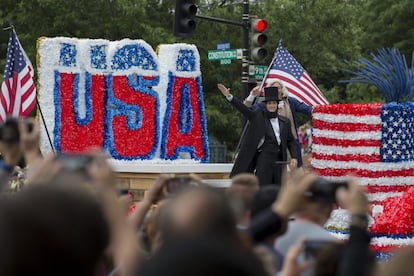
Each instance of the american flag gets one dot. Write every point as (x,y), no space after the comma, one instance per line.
(18,90)
(285,67)
(372,141)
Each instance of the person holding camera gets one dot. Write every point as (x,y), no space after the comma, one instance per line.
(19,141)
(309,220)
(264,147)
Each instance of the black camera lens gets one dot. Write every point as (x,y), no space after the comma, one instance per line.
(30,127)
(324,190)
(9,131)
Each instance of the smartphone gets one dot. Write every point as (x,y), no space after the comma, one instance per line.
(179,183)
(122,192)
(74,162)
(314,247)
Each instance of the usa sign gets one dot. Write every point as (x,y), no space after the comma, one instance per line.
(123,97)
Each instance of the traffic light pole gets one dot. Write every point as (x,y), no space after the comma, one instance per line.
(245,58)
(245,43)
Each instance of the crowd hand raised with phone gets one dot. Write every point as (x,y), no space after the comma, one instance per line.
(351,197)
(163,186)
(292,193)
(23,142)
(151,197)
(30,139)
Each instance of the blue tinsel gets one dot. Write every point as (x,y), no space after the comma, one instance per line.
(68,55)
(389,73)
(133,56)
(98,57)
(58,112)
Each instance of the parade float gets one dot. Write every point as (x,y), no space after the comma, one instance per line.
(146,109)
(374,142)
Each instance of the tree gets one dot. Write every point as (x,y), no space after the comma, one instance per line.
(387,23)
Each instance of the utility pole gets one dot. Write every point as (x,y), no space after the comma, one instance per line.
(245,58)
(245,25)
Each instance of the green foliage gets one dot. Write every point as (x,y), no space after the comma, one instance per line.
(388,23)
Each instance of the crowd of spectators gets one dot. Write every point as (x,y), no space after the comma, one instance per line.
(65,217)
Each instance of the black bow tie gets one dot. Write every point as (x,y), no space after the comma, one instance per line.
(271,115)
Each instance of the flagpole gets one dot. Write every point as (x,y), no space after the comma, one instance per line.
(44,124)
(10,27)
(268,69)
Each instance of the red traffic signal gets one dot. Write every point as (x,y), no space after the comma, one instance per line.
(258,39)
(260,25)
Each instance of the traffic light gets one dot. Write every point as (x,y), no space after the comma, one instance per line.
(259,39)
(184,23)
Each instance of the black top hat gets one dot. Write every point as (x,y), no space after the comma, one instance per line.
(271,94)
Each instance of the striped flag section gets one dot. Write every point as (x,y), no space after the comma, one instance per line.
(371,141)
(286,68)
(18,90)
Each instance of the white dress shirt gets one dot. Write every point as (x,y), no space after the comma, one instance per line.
(276,128)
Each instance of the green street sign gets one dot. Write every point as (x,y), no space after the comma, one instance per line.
(226,54)
(258,71)
(225,61)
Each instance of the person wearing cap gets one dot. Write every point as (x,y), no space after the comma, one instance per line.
(264,147)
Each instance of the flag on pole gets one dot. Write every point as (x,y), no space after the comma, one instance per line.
(18,90)
(285,67)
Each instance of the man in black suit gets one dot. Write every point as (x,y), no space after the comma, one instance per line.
(267,140)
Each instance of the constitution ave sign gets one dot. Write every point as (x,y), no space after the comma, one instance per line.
(226,54)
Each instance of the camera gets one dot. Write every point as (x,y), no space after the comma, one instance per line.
(177,184)
(324,190)
(9,130)
(74,162)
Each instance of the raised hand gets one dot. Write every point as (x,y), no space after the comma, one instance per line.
(223,89)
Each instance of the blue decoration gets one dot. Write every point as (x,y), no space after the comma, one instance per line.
(133,55)
(88,100)
(389,73)
(116,107)
(186,61)
(68,55)
(384,256)
(98,57)
(58,112)
(203,120)
(186,112)
(397,139)
(335,231)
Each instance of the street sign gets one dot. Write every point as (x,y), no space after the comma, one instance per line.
(226,54)
(223,46)
(258,71)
